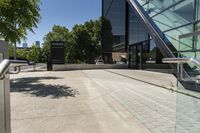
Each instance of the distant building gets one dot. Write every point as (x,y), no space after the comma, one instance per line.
(24,45)
(37,43)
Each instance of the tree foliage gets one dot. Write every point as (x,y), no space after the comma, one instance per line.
(82,44)
(35,54)
(82,47)
(58,33)
(17,17)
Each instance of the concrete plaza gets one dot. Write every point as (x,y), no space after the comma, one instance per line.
(93,101)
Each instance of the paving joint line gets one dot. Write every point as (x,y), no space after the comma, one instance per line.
(166,88)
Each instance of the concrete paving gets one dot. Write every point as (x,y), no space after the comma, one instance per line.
(100,101)
(67,102)
(166,79)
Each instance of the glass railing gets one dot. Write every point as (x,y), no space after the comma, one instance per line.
(179,26)
(176,18)
(173,18)
(187,101)
(175,22)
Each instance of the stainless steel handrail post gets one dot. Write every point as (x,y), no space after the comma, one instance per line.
(5,64)
(182,61)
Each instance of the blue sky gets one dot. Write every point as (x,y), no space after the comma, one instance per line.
(66,13)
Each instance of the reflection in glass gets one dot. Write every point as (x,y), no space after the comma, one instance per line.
(198,55)
(137,31)
(116,16)
(198,37)
(173,37)
(189,67)
(107,36)
(106,6)
(156,6)
(176,16)
(149,56)
(142,1)
(198,10)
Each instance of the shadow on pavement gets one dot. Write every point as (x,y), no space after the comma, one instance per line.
(33,86)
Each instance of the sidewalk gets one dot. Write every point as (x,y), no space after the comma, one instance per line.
(163,80)
(67,102)
(100,101)
(155,78)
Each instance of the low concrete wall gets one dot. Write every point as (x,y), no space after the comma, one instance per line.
(88,66)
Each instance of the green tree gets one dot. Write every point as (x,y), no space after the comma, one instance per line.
(58,33)
(82,47)
(22,54)
(10,50)
(35,54)
(17,17)
(82,44)
(94,29)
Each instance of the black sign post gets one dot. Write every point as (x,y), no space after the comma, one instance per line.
(57,54)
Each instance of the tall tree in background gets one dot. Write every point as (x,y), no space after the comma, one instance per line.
(58,33)
(85,46)
(82,48)
(17,17)
(82,44)
(94,29)
(34,54)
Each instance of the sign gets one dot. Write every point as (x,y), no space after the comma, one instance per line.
(57,52)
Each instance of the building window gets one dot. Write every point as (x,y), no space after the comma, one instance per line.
(114,11)
(136,29)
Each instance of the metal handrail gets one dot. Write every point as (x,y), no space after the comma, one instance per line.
(5,64)
(182,61)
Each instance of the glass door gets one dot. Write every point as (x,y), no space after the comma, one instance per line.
(135,56)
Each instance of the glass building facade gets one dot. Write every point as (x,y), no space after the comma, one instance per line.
(178,21)
(114,13)
(129,36)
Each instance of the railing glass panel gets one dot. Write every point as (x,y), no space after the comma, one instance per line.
(187,111)
(173,37)
(188,103)
(198,37)
(176,16)
(188,100)
(177,22)
(198,10)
